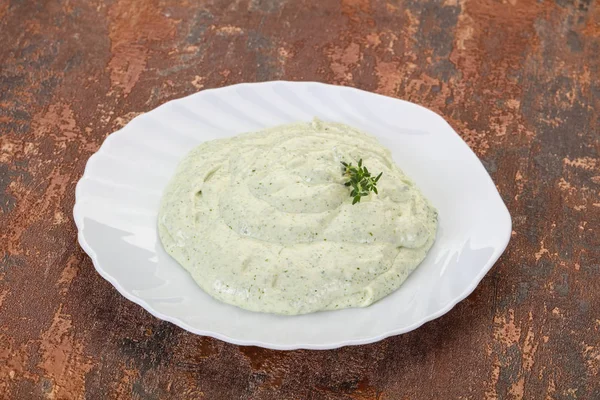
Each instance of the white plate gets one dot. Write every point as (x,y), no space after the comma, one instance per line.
(118,196)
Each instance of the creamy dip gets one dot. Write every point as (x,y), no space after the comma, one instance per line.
(263,220)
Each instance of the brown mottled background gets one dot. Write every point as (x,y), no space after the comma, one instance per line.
(518,79)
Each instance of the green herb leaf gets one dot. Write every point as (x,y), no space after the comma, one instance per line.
(360,179)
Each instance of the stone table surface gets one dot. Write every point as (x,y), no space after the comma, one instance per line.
(518,79)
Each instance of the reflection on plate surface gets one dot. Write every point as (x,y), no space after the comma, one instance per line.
(118,197)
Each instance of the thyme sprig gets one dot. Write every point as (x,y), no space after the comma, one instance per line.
(360,180)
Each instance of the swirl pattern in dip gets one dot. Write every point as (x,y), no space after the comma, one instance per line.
(263,220)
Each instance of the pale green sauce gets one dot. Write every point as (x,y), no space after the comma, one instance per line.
(263,221)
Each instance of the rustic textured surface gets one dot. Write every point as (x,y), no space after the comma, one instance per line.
(519,80)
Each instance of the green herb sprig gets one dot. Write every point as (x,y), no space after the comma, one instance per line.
(361,180)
